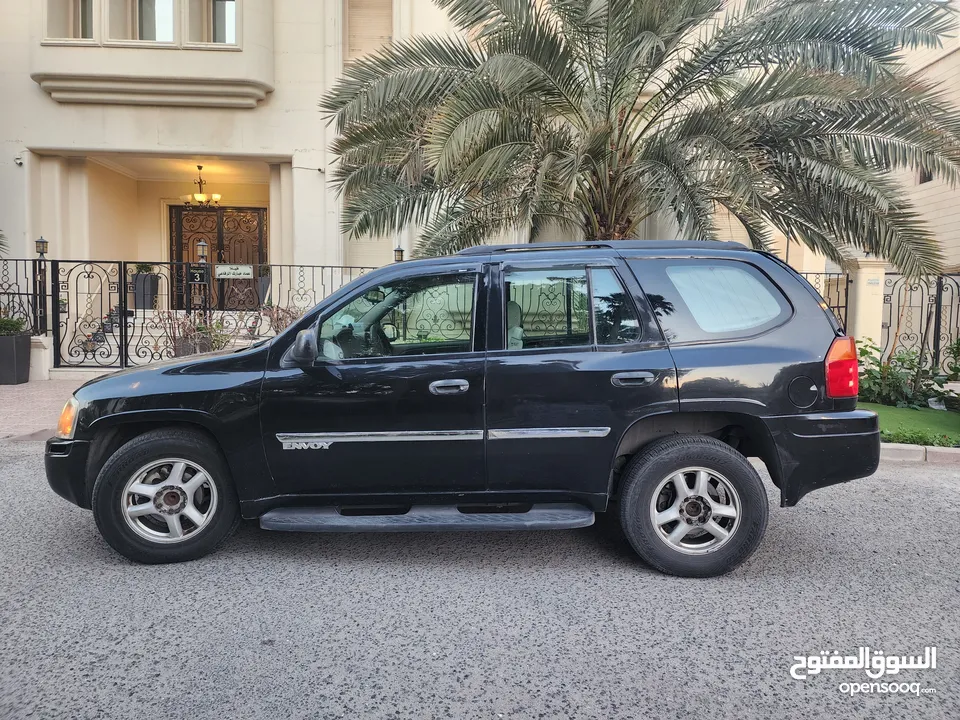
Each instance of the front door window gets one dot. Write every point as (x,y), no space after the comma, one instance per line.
(425,315)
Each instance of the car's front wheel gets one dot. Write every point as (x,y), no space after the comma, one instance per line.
(693,506)
(165,496)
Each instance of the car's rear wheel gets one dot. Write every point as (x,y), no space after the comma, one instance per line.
(165,496)
(693,506)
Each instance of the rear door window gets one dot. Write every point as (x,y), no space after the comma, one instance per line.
(699,300)
(546,308)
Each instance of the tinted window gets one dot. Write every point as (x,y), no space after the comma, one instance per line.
(413,316)
(546,308)
(697,300)
(723,299)
(615,318)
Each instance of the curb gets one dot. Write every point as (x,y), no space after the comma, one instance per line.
(898,452)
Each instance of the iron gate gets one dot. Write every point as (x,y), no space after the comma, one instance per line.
(921,315)
(834,288)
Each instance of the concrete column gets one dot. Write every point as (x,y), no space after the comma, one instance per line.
(316,234)
(402,19)
(49,200)
(865,303)
(41,357)
(277,254)
(285,211)
(78,208)
(34,213)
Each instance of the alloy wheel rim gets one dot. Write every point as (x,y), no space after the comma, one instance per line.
(695,511)
(169,501)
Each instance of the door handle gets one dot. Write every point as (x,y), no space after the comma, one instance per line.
(633,379)
(449,387)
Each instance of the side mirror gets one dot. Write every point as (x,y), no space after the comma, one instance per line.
(389,331)
(304,349)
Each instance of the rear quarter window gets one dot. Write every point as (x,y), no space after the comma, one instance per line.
(699,300)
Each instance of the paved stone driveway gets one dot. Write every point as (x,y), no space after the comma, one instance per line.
(33,407)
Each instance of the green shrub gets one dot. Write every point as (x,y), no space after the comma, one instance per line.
(12,326)
(916,437)
(905,379)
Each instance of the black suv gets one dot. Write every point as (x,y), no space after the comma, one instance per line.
(503,388)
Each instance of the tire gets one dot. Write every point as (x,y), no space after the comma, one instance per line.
(651,493)
(140,464)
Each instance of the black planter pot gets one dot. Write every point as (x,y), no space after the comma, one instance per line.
(145,289)
(14,359)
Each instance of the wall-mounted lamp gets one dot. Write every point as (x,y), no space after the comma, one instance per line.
(398,254)
(42,247)
(202,251)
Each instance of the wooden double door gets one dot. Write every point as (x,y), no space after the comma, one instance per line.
(234,236)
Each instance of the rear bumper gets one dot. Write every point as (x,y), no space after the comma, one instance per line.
(823,449)
(65,462)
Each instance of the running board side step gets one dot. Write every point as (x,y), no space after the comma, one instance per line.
(428,518)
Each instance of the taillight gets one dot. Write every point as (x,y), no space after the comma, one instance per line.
(842,371)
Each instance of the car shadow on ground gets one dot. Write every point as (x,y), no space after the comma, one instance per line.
(529,549)
(785,550)
(603,544)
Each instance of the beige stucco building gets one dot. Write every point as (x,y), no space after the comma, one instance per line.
(108,106)
(935,199)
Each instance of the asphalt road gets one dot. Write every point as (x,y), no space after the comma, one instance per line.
(538,625)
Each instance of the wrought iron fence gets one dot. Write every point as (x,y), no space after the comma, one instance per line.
(23,294)
(922,315)
(115,314)
(834,288)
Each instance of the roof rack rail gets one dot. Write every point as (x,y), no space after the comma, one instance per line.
(528,247)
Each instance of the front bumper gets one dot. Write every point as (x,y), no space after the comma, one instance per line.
(823,449)
(65,462)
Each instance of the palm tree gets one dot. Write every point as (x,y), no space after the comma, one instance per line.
(593,115)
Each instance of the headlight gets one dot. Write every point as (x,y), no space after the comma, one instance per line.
(68,419)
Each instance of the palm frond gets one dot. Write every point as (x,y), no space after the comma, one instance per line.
(793,116)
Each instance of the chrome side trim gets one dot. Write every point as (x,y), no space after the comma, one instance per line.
(723,400)
(546,433)
(322,441)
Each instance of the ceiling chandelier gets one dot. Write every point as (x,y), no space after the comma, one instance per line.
(200,198)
